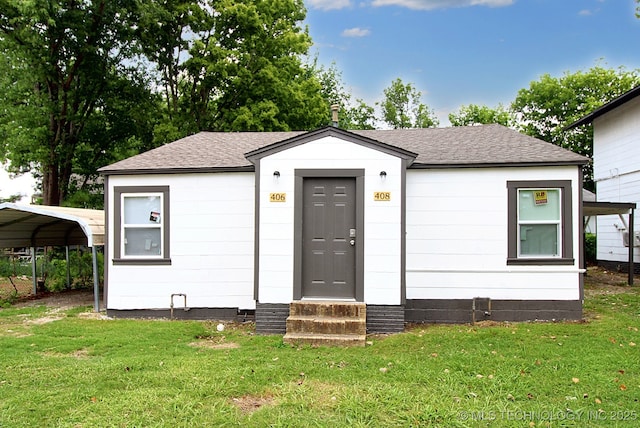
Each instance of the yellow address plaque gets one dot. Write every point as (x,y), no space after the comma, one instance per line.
(277,197)
(381,196)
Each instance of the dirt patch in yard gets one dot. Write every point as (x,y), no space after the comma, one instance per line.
(251,403)
(599,281)
(61,299)
(19,290)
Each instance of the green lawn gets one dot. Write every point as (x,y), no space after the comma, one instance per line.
(80,371)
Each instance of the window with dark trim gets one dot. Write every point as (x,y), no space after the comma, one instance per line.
(540,230)
(141,225)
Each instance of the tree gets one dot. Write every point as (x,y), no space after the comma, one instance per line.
(473,114)
(360,116)
(550,104)
(122,126)
(401,107)
(12,198)
(350,115)
(163,31)
(75,88)
(165,34)
(245,72)
(60,58)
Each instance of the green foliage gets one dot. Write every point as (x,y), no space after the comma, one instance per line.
(401,107)
(61,61)
(245,71)
(360,116)
(76,80)
(590,249)
(7,301)
(12,198)
(14,266)
(473,114)
(550,104)
(350,115)
(81,270)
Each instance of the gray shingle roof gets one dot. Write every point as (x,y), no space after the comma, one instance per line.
(456,146)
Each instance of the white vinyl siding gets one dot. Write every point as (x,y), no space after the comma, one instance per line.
(212,245)
(457,237)
(382,219)
(616,170)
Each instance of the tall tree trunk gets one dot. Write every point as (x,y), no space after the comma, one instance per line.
(50,187)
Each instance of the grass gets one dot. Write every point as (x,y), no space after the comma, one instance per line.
(71,369)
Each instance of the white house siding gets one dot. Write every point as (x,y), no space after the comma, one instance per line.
(382,228)
(616,170)
(457,237)
(211,239)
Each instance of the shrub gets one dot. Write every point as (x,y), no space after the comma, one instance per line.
(14,266)
(590,253)
(81,270)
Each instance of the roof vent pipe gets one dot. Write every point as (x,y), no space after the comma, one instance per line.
(334,115)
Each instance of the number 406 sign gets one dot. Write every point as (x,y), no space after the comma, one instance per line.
(277,197)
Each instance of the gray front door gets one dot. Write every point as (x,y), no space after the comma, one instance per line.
(329,237)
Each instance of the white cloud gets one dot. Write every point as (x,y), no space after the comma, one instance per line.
(441,4)
(328,4)
(586,12)
(356,32)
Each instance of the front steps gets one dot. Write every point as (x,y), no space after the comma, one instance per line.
(326,323)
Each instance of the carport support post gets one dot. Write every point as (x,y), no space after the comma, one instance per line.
(34,274)
(96,280)
(632,239)
(68,267)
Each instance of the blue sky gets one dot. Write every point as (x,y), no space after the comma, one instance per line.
(459,52)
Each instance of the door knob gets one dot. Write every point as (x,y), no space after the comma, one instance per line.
(352,242)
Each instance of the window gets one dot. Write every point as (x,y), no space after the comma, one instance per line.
(540,222)
(142,225)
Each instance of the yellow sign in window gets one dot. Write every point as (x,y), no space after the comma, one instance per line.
(540,197)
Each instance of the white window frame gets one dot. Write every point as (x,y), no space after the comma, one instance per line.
(124,226)
(558,223)
(120,194)
(565,229)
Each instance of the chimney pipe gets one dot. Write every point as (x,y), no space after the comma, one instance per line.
(334,115)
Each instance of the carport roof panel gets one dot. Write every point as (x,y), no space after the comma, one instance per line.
(40,225)
(606,208)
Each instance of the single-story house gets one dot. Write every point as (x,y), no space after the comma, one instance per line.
(419,225)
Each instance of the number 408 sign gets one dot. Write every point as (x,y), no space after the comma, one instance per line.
(381,196)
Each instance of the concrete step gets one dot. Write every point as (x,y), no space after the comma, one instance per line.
(328,308)
(325,339)
(326,325)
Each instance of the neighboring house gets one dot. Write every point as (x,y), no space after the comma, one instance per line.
(616,172)
(589,222)
(421,225)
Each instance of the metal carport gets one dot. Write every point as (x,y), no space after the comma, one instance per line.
(593,208)
(39,226)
